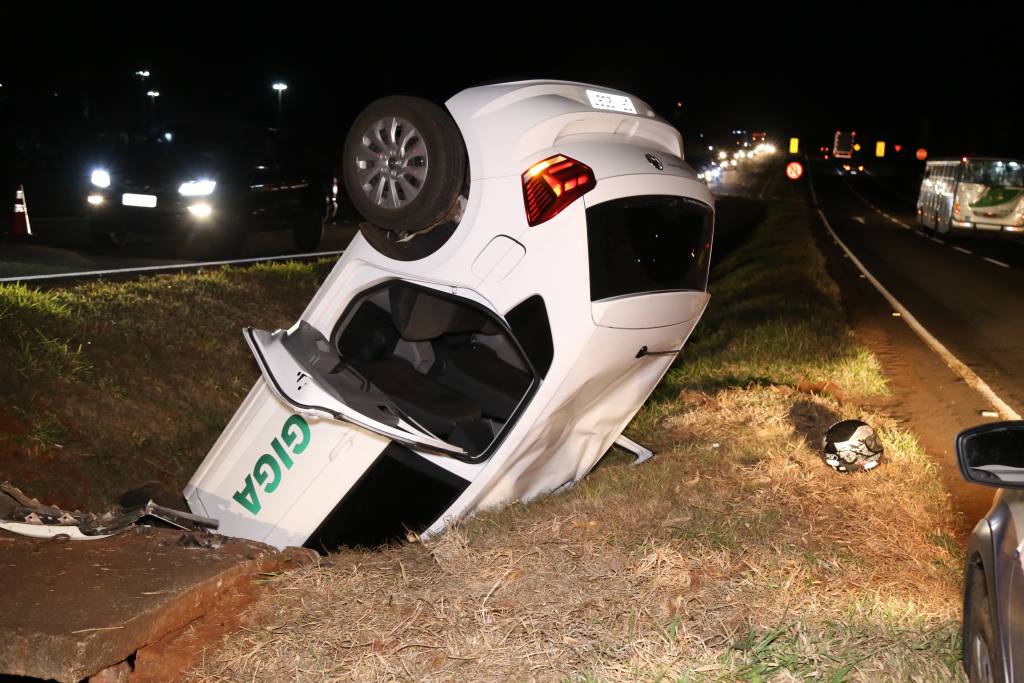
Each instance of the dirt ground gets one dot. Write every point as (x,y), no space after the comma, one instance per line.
(106,385)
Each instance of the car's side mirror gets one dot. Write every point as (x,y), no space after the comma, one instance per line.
(992,454)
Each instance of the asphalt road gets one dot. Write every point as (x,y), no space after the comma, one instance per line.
(968,292)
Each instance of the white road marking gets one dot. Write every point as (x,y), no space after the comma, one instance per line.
(998,263)
(860,220)
(954,363)
(937,240)
(963,251)
(170,266)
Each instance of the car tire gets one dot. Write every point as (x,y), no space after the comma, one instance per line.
(983,662)
(308,234)
(105,233)
(404,164)
(229,242)
(154,491)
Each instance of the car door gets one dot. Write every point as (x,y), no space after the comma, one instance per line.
(1012,559)
(279,191)
(303,369)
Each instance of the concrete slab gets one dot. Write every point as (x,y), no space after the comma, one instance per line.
(74,608)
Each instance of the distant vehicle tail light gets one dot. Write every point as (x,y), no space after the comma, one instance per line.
(553,184)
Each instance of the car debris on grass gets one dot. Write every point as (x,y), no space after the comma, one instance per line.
(21,514)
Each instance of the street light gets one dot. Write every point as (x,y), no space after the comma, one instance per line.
(280,88)
(152,94)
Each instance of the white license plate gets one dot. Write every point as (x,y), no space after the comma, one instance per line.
(610,101)
(145,200)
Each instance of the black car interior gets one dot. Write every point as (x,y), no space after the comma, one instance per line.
(447,365)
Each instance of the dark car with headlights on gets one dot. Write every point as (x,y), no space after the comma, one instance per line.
(216,183)
(850,167)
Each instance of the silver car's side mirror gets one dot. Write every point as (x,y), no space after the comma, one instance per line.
(992,454)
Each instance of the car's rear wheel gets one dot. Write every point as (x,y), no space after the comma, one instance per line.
(982,660)
(405,164)
(155,491)
(228,239)
(107,233)
(308,234)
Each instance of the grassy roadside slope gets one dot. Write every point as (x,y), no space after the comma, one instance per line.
(106,385)
(736,554)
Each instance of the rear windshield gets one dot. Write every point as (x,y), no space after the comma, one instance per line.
(648,244)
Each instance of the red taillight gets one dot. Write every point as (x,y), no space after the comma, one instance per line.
(553,184)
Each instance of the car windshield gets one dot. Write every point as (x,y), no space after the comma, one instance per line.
(994,173)
(196,144)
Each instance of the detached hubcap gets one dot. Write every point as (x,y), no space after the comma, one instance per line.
(391,162)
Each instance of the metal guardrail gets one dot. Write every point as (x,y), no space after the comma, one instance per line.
(171,267)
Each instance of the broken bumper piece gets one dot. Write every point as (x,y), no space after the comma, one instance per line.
(26,516)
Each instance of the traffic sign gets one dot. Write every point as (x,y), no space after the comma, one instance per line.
(880,148)
(856,147)
(794,170)
(794,145)
(921,154)
(897,148)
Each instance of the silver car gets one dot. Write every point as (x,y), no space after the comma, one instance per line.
(993,629)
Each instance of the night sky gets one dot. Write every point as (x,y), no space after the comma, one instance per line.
(796,75)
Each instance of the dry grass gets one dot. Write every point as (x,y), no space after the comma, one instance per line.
(775,317)
(736,554)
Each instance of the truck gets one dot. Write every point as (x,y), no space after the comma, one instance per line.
(842,144)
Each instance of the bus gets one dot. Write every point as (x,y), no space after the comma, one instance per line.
(972,193)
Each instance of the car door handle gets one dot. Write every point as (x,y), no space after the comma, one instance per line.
(645,352)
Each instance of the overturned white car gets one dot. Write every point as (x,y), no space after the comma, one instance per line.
(533,260)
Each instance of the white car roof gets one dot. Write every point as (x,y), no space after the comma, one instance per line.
(509,126)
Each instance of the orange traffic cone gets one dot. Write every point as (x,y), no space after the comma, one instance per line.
(20,227)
